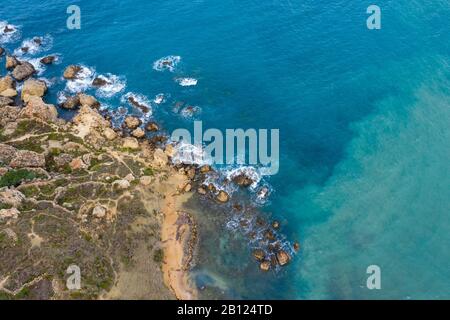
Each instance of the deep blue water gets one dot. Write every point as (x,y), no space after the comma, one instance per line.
(363,118)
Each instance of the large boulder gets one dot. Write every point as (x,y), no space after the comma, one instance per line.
(11,62)
(87,100)
(222,196)
(33,87)
(23,70)
(152,127)
(259,254)
(99,82)
(283,258)
(132,122)
(37,108)
(71,103)
(7,82)
(9,93)
(11,197)
(7,153)
(160,158)
(71,72)
(242,180)
(6,214)
(109,134)
(5,101)
(130,143)
(138,133)
(27,159)
(47,60)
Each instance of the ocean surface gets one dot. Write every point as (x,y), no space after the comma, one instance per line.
(364,119)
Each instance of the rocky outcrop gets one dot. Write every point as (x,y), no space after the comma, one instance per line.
(130,143)
(23,71)
(109,134)
(121,184)
(138,133)
(283,258)
(7,153)
(11,62)
(9,93)
(5,101)
(6,214)
(71,103)
(7,82)
(99,82)
(99,211)
(259,254)
(36,108)
(242,180)
(71,72)
(160,158)
(27,159)
(265,266)
(48,60)
(152,126)
(33,87)
(132,122)
(222,196)
(87,100)
(11,197)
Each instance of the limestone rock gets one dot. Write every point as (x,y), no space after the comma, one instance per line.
(259,254)
(160,158)
(6,214)
(283,258)
(71,103)
(71,72)
(130,143)
(138,133)
(23,70)
(121,184)
(5,101)
(265,266)
(152,126)
(7,82)
(11,197)
(33,87)
(11,62)
(48,60)
(9,93)
(109,134)
(27,159)
(87,100)
(7,153)
(36,108)
(132,122)
(223,197)
(99,211)
(146,180)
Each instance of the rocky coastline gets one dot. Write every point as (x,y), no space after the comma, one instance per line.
(107,198)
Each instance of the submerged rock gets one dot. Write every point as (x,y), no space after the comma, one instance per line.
(296,246)
(275,225)
(259,254)
(265,266)
(71,72)
(23,70)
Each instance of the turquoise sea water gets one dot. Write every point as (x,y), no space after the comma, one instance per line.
(363,116)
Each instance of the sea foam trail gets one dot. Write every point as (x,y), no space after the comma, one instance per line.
(33,46)
(168,63)
(8,32)
(186,82)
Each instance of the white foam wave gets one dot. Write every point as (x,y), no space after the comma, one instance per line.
(159,98)
(189,112)
(139,102)
(83,80)
(34,46)
(186,82)
(187,153)
(167,63)
(8,32)
(114,85)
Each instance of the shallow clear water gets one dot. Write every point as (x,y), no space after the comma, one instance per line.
(363,118)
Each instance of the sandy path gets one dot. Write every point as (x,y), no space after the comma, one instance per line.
(177,235)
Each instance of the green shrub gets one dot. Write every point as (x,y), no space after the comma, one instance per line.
(15,177)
